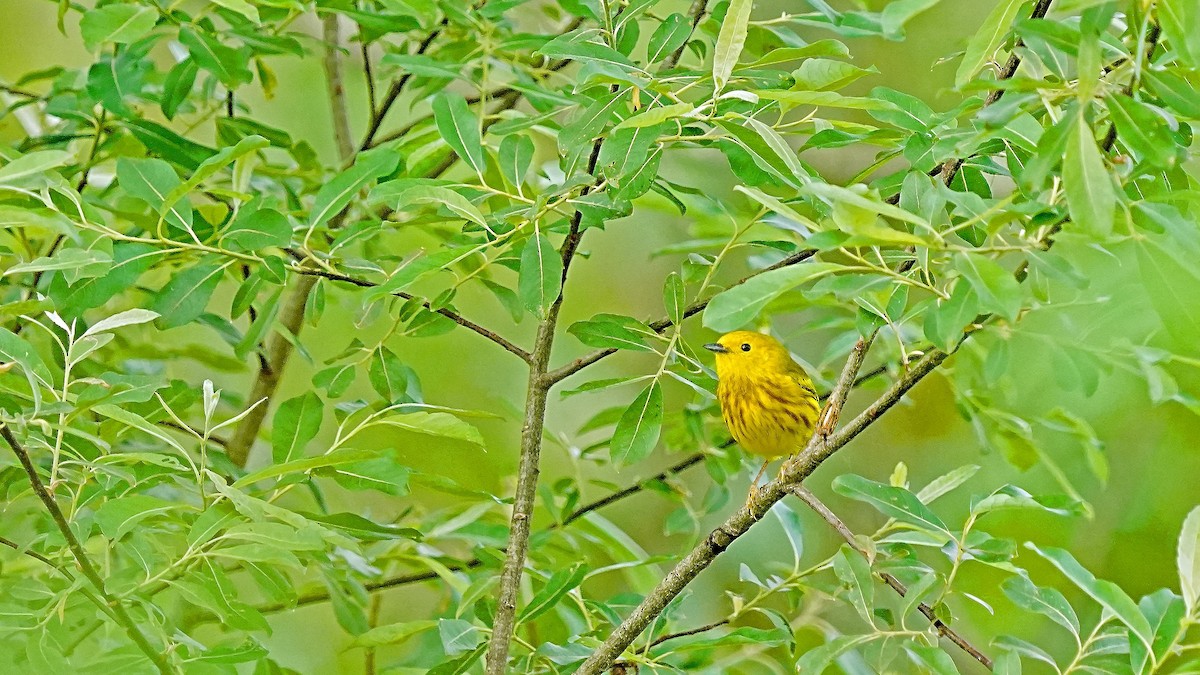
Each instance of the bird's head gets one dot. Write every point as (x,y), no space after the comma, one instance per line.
(745,352)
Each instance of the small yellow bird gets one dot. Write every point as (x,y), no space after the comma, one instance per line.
(767,400)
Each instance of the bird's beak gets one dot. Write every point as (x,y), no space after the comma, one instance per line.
(716,347)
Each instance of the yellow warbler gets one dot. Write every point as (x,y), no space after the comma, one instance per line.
(767,399)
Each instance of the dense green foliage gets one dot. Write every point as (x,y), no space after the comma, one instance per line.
(158,234)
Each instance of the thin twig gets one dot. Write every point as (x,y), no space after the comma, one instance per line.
(395,89)
(449,314)
(949,169)
(119,612)
(694,631)
(805,495)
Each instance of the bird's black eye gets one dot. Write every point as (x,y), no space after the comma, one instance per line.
(745,346)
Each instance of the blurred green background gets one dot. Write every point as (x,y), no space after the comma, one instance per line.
(1151,448)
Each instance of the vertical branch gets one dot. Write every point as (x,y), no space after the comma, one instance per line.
(279,350)
(118,610)
(334,82)
(537,390)
(291,315)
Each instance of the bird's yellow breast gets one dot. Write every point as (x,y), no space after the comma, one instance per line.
(771,416)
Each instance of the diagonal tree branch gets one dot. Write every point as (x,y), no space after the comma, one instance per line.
(696,11)
(795,470)
(115,607)
(395,90)
(805,495)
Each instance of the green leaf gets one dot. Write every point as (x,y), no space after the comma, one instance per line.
(130,317)
(296,423)
(986,40)
(541,274)
(338,192)
(612,331)
(220,160)
(823,74)
(855,573)
(944,323)
(560,583)
(459,127)
(946,482)
(997,289)
(1188,561)
(932,659)
(439,196)
(32,164)
(14,349)
(457,636)
(226,63)
(739,305)
(439,424)
(86,262)
(638,428)
(383,471)
(255,228)
(893,502)
(1180,20)
(730,40)
(118,23)
(151,180)
(574,46)
(670,35)
(391,379)
(1142,130)
(1106,593)
(1169,280)
(305,465)
(241,7)
(414,269)
(393,634)
(186,295)
(177,86)
(1046,601)
(1090,194)
(118,517)
(655,115)
(836,193)
(817,659)
(827,99)
(516,154)
(675,297)
(1177,88)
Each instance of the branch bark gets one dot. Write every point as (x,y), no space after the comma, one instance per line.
(116,609)
(537,390)
(805,495)
(795,470)
(335,83)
